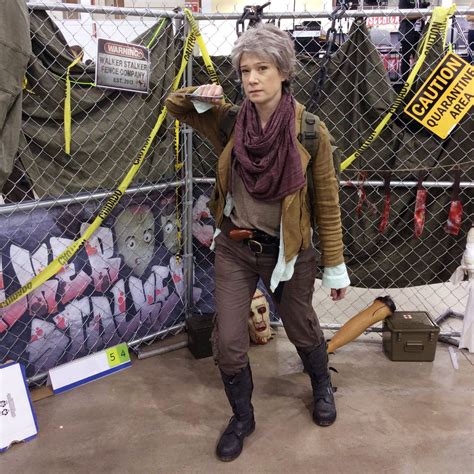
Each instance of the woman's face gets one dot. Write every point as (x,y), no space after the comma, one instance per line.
(261,79)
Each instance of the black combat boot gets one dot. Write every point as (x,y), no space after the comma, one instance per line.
(238,389)
(315,362)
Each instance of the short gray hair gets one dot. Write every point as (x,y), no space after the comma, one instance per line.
(267,42)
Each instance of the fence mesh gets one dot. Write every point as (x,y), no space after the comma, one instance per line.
(149,262)
(363,79)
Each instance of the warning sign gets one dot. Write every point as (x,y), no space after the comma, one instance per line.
(123,66)
(445,97)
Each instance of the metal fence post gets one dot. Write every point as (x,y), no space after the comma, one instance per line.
(188,201)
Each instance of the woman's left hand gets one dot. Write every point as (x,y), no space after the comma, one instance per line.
(211,93)
(338,294)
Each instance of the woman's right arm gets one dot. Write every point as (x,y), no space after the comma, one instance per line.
(206,123)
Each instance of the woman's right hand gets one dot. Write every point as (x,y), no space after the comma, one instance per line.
(211,93)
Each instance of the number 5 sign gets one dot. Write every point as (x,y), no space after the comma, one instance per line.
(117,355)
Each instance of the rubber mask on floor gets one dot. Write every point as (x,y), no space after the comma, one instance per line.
(259,319)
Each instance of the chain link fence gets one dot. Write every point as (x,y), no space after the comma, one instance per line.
(149,262)
(363,78)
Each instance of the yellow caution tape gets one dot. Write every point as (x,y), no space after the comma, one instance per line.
(67,107)
(58,263)
(25,86)
(196,34)
(437,25)
(157,32)
(205,55)
(178,164)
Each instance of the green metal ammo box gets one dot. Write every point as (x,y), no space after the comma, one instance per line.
(410,336)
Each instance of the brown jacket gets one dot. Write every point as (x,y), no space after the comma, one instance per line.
(296,216)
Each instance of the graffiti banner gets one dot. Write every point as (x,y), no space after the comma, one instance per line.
(124,284)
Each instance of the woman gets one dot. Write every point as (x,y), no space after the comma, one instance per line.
(263,221)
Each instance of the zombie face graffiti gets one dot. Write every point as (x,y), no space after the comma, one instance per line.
(169,227)
(170,232)
(135,234)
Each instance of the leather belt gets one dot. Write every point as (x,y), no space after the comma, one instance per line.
(258,247)
(259,242)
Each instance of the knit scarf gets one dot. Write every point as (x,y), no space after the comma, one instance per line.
(268,160)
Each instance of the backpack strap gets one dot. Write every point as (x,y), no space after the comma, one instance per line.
(309,133)
(309,138)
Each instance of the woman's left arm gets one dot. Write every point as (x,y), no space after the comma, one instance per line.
(328,217)
(207,124)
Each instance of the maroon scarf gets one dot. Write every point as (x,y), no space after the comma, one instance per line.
(268,160)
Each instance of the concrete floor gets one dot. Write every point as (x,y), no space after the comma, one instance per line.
(164,414)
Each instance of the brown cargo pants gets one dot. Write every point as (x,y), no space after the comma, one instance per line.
(237,271)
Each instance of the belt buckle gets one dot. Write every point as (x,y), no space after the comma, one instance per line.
(255,246)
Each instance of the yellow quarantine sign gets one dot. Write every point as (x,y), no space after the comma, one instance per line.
(445,97)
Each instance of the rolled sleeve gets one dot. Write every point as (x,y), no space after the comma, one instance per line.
(336,277)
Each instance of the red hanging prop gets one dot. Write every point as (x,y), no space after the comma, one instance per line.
(453,224)
(420,206)
(363,196)
(386,207)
